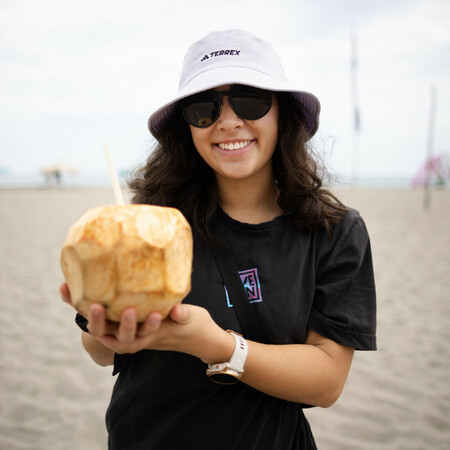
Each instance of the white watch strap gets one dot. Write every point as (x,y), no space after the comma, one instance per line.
(239,355)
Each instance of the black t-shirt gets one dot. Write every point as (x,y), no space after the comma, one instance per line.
(295,280)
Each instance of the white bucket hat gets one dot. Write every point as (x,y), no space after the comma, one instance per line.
(233,57)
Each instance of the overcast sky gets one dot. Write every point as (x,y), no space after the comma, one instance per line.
(74,74)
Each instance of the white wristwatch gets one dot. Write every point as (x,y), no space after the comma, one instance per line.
(230,372)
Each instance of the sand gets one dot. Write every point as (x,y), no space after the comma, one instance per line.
(53,396)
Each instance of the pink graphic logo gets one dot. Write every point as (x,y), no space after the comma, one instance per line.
(250,280)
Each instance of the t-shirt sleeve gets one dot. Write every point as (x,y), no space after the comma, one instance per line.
(81,322)
(344,307)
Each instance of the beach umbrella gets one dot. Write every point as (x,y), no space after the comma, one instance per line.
(59,167)
(56,171)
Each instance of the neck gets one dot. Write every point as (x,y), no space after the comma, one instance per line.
(250,201)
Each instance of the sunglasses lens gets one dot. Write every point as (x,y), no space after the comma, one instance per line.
(251,104)
(201,110)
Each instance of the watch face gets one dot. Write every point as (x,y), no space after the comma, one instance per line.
(223,378)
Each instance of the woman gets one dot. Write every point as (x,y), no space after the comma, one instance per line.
(232,156)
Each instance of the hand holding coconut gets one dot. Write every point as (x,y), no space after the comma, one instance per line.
(128,268)
(187,328)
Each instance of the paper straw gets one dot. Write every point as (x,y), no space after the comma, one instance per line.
(113,175)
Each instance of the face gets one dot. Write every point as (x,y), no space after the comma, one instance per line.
(235,148)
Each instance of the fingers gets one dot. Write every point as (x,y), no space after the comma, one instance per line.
(129,336)
(97,324)
(128,326)
(65,294)
(151,324)
(124,331)
(126,336)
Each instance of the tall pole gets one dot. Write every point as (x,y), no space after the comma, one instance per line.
(355,109)
(430,146)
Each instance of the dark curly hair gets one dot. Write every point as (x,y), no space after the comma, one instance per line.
(176,175)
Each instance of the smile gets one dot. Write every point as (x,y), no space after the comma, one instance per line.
(234,145)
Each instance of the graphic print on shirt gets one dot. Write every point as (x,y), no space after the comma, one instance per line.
(250,280)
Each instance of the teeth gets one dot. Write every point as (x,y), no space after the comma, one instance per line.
(234,146)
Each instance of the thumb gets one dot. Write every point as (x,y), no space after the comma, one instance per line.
(181,314)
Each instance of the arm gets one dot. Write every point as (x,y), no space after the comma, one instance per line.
(312,373)
(100,354)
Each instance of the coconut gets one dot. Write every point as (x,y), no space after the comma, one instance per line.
(128,255)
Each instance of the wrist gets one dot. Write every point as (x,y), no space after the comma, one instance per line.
(219,349)
(230,371)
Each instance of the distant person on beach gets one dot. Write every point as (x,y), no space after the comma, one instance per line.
(232,154)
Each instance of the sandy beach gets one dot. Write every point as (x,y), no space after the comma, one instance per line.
(52,396)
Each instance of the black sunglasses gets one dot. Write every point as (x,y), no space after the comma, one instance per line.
(203,109)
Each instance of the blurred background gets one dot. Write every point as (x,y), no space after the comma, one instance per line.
(74,74)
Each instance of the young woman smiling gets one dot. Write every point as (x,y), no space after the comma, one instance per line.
(232,155)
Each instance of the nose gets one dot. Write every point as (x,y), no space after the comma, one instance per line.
(228,119)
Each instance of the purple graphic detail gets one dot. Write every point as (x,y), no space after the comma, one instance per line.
(250,280)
